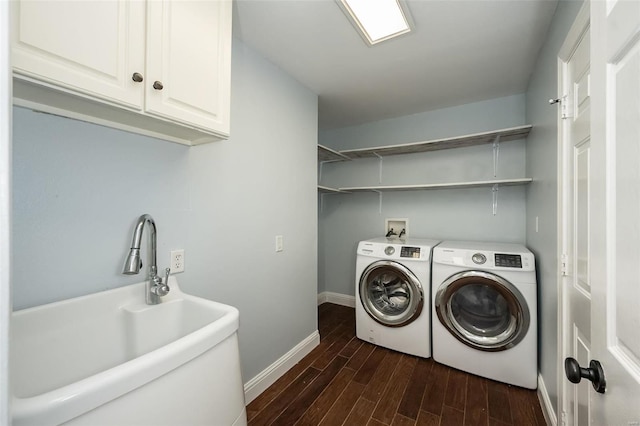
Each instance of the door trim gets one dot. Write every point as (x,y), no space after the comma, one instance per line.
(5,210)
(576,32)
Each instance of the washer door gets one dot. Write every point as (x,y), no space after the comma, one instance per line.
(482,310)
(390,293)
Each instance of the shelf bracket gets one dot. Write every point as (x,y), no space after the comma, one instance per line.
(496,152)
(494,191)
(320,172)
(379,166)
(379,200)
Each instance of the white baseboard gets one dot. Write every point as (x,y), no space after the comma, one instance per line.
(337,298)
(545,402)
(269,375)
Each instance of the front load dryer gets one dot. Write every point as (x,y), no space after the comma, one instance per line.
(393,280)
(485,310)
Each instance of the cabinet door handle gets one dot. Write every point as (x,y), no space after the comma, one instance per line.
(137,77)
(158,85)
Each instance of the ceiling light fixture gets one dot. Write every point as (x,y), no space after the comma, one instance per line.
(376,20)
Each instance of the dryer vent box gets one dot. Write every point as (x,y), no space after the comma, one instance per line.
(393,228)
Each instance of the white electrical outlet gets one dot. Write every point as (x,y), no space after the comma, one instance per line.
(279,243)
(177,261)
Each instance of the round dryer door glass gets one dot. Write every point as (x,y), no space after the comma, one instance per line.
(482,310)
(390,293)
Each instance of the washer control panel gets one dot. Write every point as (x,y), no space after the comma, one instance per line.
(479,258)
(508,260)
(415,250)
(411,252)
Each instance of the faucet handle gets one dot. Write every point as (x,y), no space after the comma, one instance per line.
(158,287)
(166,278)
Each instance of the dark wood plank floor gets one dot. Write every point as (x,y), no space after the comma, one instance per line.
(345,381)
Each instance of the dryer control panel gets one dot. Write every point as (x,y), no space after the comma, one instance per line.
(485,256)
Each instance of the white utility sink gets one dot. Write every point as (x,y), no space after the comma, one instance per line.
(108,358)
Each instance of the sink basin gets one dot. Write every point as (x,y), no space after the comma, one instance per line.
(98,359)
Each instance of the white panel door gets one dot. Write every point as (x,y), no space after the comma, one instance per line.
(91,47)
(189,62)
(615,314)
(577,205)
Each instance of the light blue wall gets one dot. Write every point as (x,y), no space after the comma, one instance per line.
(461,214)
(542,158)
(455,121)
(245,191)
(78,189)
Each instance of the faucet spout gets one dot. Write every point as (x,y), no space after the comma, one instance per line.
(133,263)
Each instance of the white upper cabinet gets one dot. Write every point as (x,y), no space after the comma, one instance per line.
(89,47)
(188,57)
(159,68)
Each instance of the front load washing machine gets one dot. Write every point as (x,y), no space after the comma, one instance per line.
(485,310)
(393,280)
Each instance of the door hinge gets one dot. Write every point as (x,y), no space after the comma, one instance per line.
(564,107)
(564,265)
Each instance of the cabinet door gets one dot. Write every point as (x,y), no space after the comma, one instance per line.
(189,55)
(87,47)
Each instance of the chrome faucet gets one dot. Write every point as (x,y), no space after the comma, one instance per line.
(155,288)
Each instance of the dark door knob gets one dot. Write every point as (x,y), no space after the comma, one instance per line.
(595,373)
(137,77)
(157,85)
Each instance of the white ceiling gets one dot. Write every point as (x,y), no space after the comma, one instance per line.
(459,51)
